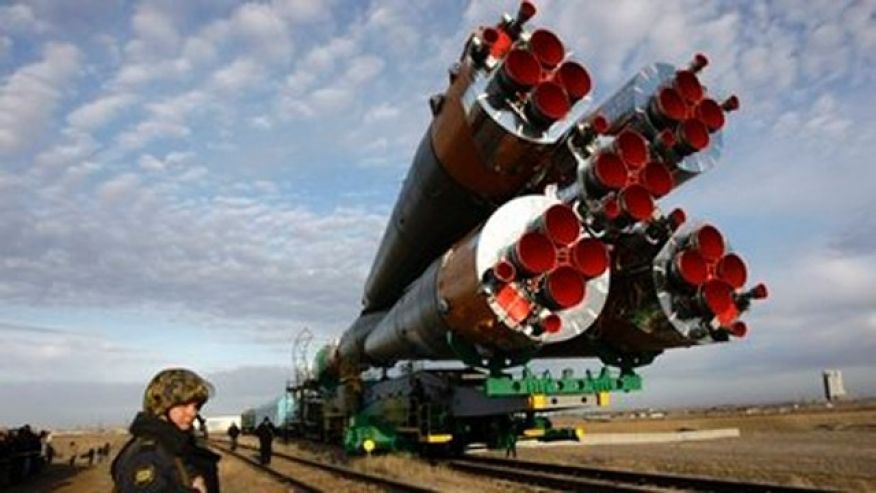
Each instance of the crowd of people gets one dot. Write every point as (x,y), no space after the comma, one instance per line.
(23,453)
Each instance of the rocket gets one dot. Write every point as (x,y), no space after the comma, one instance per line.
(528,225)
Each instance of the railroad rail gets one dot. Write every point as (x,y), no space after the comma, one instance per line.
(345,472)
(583,478)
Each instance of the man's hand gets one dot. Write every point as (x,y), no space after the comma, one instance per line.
(199,484)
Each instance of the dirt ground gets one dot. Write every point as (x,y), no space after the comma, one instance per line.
(826,448)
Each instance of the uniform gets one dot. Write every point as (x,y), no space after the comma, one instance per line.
(161,457)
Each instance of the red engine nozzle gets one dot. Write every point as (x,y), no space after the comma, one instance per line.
(717,296)
(657,179)
(563,288)
(551,323)
(608,171)
(590,257)
(547,48)
(730,104)
(504,271)
(667,107)
(710,113)
(731,269)
(698,63)
(693,136)
(690,267)
(526,11)
(599,124)
(575,79)
(547,103)
(561,224)
(637,202)
(519,72)
(759,292)
(709,242)
(534,253)
(688,85)
(677,217)
(738,329)
(632,148)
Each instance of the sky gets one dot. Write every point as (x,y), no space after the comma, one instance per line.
(194,183)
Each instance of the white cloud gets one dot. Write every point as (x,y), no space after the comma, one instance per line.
(363,69)
(76,147)
(5,46)
(19,18)
(99,112)
(29,97)
(264,31)
(381,112)
(34,353)
(173,159)
(156,34)
(238,76)
(118,190)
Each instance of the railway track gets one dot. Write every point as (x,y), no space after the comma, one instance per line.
(300,485)
(582,478)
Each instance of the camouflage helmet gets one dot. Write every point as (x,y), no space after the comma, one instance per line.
(172,387)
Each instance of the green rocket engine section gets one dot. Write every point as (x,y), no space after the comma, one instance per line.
(528,227)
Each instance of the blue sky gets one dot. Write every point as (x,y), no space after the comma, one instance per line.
(192,183)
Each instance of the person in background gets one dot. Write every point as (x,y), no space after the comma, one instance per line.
(162,455)
(233,433)
(73,449)
(90,456)
(265,432)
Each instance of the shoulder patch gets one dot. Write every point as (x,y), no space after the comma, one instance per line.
(144,475)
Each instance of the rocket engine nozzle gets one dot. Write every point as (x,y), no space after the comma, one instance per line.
(690,267)
(637,202)
(534,253)
(575,79)
(709,242)
(560,224)
(698,63)
(710,113)
(547,48)
(688,86)
(547,103)
(632,148)
(657,179)
(590,257)
(692,136)
(519,72)
(563,288)
(731,269)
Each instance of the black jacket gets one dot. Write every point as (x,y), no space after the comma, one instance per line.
(161,458)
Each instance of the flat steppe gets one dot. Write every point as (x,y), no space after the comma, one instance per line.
(832,448)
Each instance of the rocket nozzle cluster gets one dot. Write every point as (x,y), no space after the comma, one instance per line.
(529,218)
(706,282)
(546,270)
(529,74)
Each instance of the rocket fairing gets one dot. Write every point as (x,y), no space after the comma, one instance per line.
(527,225)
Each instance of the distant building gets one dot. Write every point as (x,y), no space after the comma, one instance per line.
(833,385)
(220,424)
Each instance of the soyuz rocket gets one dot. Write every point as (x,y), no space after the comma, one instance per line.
(527,226)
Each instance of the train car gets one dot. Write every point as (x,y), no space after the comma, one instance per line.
(280,411)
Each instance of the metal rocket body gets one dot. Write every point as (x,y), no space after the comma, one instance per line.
(527,225)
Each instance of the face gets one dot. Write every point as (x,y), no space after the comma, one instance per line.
(183,415)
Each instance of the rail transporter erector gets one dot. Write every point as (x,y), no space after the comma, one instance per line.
(527,228)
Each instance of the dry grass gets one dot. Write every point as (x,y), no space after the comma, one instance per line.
(828,449)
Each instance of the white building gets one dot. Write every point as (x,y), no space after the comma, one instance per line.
(220,424)
(833,385)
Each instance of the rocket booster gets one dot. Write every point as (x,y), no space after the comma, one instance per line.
(528,224)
